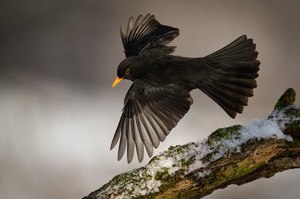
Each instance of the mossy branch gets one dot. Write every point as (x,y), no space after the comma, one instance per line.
(232,155)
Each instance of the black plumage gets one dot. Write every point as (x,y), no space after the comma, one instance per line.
(160,94)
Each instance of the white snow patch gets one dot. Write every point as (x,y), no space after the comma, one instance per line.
(200,149)
(258,128)
(281,118)
(203,173)
(262,128)
(164,162)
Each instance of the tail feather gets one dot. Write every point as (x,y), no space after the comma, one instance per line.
(248,92)
(234,69)
(228,106)
(243,83)
(240,66)
(241,47)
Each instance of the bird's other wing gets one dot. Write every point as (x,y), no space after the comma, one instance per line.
(145,32)
(149,114)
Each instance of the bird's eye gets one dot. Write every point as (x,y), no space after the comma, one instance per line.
(127,71)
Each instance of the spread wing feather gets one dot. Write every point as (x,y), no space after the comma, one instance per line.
(145,32)
(148,117)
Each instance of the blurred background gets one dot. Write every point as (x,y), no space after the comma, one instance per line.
(58,112)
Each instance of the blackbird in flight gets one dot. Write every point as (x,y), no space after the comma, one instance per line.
(160,93)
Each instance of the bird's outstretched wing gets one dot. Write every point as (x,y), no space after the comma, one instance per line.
(148,116)
(145,32)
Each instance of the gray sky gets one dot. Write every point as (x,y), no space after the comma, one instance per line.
(59,112)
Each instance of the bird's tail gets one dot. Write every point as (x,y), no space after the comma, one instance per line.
(234,69)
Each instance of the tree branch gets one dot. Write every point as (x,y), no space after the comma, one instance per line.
(232,155)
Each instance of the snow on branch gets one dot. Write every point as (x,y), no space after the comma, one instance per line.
(232,155)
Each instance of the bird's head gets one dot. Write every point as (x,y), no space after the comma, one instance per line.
(130,68)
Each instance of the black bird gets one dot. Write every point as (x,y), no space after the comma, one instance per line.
(160,94)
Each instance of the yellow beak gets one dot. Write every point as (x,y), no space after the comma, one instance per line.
(117,81)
